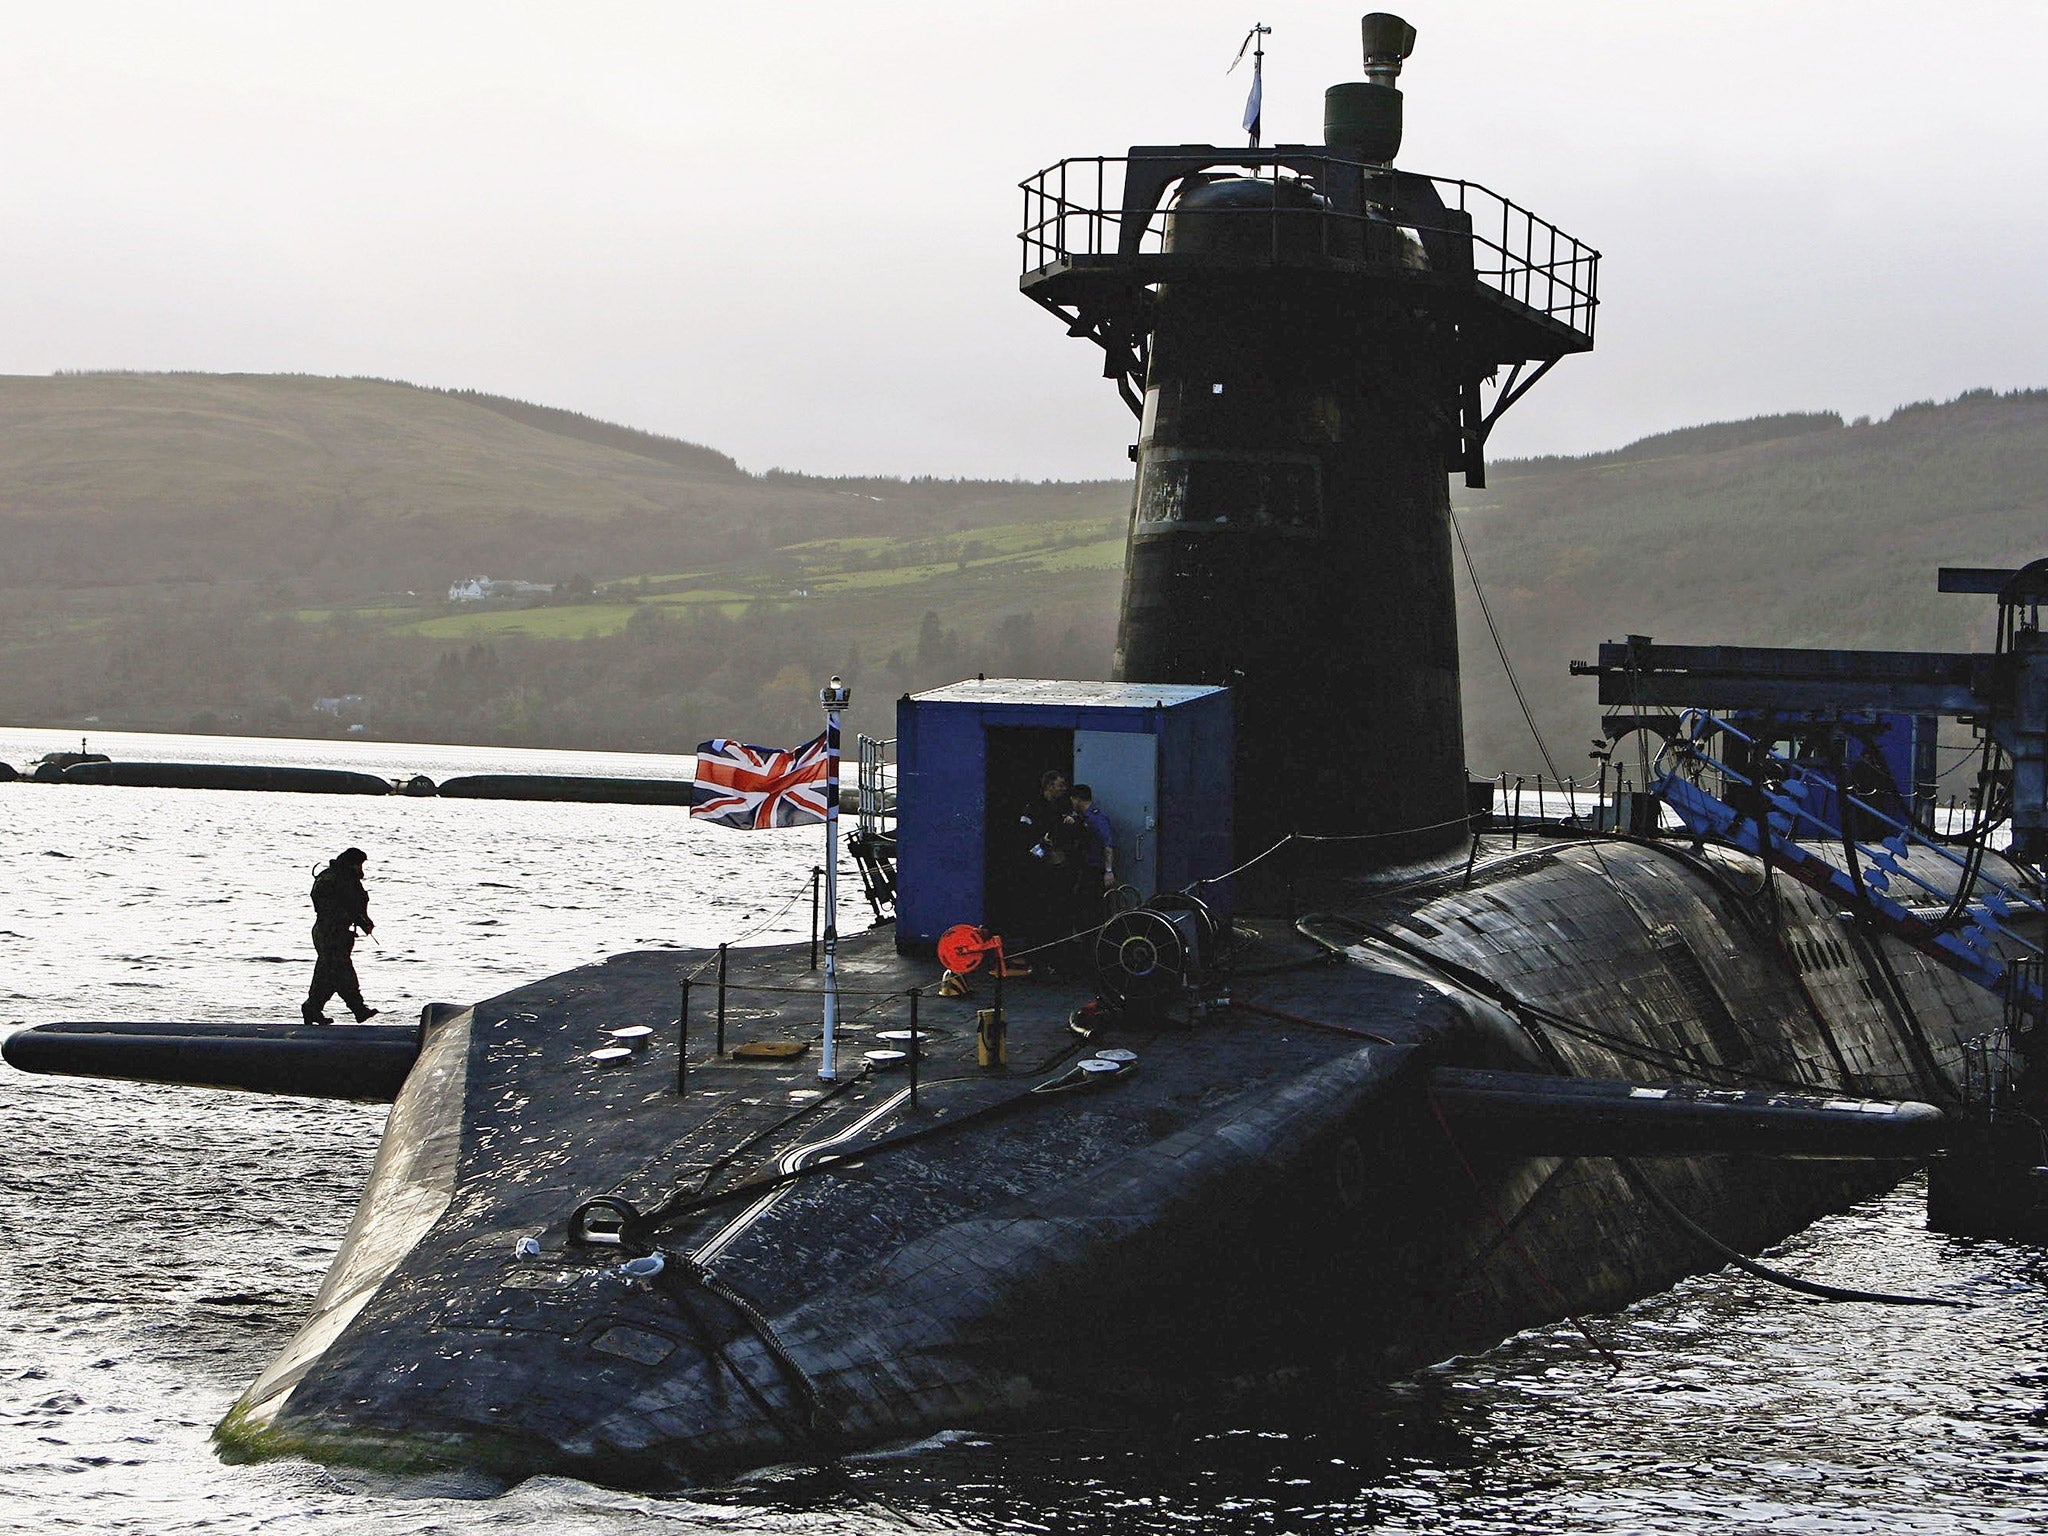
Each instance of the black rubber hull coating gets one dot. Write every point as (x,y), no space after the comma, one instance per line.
(553,786)
(1529,1114)
(366,1063)
(304,781)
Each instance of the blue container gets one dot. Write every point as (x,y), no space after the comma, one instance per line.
(969,757)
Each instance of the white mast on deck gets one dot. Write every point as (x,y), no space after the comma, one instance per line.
(835,696)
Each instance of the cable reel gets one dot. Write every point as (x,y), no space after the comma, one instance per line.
(963,946)
(1149,957)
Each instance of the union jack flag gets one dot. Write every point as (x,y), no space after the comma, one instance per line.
(754,788)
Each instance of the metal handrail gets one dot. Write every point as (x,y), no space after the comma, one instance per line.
(872,804)
(1069,213)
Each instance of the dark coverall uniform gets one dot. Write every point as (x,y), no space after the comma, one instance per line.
(1049,845)
(340,907)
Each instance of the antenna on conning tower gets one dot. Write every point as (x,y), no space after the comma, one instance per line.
(1255,40)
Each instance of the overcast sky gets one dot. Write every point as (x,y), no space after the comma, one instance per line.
(789,229)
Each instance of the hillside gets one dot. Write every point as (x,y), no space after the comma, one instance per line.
(218,552)
(338,487)
(223,550)
(1827,536)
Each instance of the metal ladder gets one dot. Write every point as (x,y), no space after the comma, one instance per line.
(873,840)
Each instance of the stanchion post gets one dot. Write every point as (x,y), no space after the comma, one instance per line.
(915,994)
(1515,821)
(721,998)
(683,1040)
(817,874)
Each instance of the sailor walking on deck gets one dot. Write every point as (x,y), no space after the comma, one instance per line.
(340,907)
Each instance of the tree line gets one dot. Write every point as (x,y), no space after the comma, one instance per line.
(662,683)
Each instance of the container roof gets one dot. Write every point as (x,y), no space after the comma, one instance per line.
(1066,693)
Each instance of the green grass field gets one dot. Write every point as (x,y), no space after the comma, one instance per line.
(579,621)
(1039,568)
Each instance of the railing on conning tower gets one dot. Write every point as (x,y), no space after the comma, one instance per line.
(1074,211)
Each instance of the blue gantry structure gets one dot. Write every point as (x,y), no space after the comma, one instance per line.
(1725,774)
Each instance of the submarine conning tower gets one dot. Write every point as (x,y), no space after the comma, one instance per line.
(1312,341)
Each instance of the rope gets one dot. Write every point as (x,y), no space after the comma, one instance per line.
(817,991)
(759,928)
(1372,837)
(1292,837)
(1248,863)
(670,1284)
(1749,1266)
(1079,933)
(1519,1008)
(1514,1241)
(1325,837)
(720,1164)
(1534,1019)
(636,1228)
(814,1404)
(1500,648)
(1242,1005)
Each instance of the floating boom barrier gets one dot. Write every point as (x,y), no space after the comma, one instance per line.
(561,786)
(305,781)
(586,789)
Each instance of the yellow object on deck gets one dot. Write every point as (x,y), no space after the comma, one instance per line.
(771,1050)
(991,1038)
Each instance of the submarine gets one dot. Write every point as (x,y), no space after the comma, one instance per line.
(1363,1080)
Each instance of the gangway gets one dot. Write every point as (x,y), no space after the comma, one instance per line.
(1775,805)
(1768,812)
(1808,817)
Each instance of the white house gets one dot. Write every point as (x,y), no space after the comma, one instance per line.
(476,589)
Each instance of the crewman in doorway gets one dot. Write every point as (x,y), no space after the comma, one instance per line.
(1096,870)
(1049,837)
(340,907)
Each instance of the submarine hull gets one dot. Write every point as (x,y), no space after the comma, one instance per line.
(1270,1204)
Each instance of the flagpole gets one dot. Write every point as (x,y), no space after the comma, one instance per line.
(835,696)
(1255,103)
